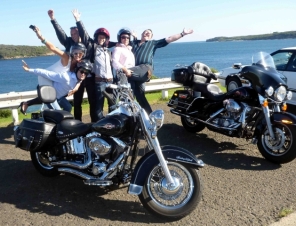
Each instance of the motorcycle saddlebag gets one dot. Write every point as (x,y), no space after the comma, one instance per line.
(31,135)
(181,75)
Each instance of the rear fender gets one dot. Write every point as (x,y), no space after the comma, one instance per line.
(150,160)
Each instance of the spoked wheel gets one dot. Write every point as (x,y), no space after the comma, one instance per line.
(282,149)
(233,83)
(191,125)
(41,163)
(172,202)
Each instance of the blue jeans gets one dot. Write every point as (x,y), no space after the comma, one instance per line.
(65,104)
(139,92)
(100,87)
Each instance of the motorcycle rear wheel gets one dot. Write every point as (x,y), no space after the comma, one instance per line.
(172,203)
(283,148)
(192,126)
(41,164)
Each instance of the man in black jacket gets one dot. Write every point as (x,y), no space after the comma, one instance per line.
(89,82)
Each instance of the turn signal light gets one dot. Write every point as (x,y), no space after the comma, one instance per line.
(287,121)
(175,94)
(284,107)
(265,103)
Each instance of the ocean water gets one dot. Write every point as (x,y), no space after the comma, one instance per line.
(216,55)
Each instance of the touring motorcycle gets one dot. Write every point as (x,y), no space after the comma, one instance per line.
(256,111)
(106,153)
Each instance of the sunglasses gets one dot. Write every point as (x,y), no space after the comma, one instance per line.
(84,72)
(77,53)
(124,37)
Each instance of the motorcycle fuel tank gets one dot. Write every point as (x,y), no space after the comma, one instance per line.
(112,125)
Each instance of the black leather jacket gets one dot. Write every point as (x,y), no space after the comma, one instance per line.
(66,41)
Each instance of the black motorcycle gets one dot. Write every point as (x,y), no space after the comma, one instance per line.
(255,111)
(105,153)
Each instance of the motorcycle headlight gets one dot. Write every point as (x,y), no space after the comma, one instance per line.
(280,93)
(269,91)
(157,118)
(289,95)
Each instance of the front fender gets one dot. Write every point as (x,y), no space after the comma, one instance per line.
(283,117)
(149,160)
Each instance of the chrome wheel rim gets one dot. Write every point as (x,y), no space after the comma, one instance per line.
(232,85)
(166,196)
(281,144)
(43,160)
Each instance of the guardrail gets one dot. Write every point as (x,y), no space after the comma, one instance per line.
(13,99)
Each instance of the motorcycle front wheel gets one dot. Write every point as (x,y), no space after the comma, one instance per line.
(41,164)
(283,148)
(172,202)
(192,126)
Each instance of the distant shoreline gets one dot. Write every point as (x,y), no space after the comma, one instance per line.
(271,36)
(8,52)
(18,57)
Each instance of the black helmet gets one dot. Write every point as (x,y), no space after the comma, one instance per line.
(123,30)
(78,47)
(85,64)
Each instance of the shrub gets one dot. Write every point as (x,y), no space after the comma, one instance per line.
(5,113)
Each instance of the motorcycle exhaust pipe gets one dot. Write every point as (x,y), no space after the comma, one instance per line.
(76,173)
(88,180)
(205,122)
(74,164)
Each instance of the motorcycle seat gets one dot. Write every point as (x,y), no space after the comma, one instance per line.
(209,91)
(56,116)
(71,128)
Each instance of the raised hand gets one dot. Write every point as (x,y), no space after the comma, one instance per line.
(25,66)
(76,14)
(50,14)
(187,31)
(38,33)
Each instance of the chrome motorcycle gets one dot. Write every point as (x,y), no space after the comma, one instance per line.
(256,111)
(105,153)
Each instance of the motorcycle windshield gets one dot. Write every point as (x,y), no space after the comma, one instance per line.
(262,73)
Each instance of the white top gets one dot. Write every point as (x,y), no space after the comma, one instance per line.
(62,82)
(56,67)
(123,57)
(102,67)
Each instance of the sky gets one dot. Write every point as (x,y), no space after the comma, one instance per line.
(208,19)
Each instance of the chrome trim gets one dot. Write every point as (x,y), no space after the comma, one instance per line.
(74,164)
(112,167)
(76,173)
(267,116)
(135,189)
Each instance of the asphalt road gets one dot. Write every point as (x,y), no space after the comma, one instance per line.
(239,186)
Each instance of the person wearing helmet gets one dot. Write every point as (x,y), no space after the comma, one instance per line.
(63,82)
(144,50)
(100,56)
(66,63)
(88,83)
(123,61)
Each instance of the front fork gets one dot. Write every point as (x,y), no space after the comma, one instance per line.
(150,133)
(266,112)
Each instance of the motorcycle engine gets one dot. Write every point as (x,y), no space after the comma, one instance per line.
(230,116)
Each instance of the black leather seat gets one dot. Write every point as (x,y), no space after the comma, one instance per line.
(71,128)
(56,116)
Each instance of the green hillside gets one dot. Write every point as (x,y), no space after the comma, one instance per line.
(18,51)
(274,35)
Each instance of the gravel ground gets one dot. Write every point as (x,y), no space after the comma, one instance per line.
(239,186)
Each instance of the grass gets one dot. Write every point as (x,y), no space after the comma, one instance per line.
(285,212)
(153,98)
